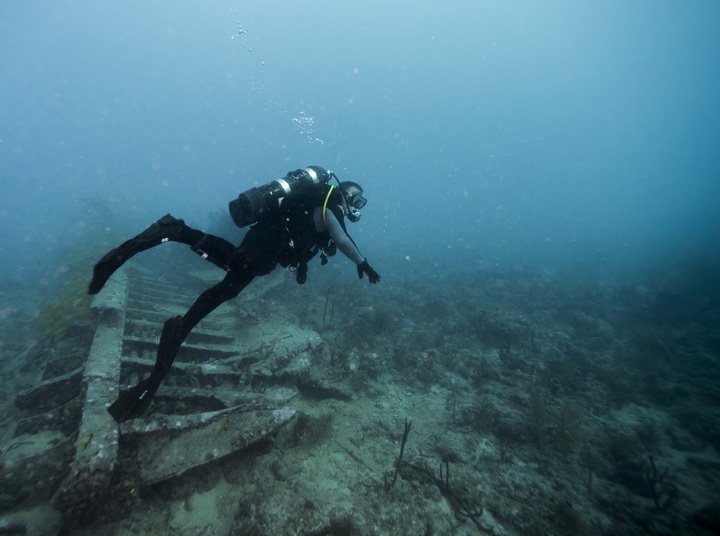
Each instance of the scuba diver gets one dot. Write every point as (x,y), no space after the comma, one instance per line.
(292,220)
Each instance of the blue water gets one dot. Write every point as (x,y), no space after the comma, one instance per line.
(549,133)
(546,170)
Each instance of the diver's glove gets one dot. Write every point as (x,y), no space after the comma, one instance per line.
(365,268)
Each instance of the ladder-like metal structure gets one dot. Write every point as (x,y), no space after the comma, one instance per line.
(199,415)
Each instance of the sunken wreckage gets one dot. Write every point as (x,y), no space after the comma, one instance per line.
(68,449)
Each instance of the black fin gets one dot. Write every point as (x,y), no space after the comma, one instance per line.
(166,228)
(110,263)
(133,403)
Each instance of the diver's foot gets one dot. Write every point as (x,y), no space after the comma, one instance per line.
(107,266)
(133,403)
(166,228)
(301,274)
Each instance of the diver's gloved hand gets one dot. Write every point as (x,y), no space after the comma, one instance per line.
(365,268)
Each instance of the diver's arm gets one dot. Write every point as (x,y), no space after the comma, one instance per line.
(341,239)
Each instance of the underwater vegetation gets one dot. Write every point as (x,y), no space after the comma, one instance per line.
(537,408)
(70,308)
(68,304)
(595,393)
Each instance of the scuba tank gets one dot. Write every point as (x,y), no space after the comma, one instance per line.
(257,203)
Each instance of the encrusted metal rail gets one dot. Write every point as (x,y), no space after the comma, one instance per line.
(199,415)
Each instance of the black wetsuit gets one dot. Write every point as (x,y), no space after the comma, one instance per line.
(288,237)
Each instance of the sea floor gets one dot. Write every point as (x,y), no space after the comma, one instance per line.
(481,404)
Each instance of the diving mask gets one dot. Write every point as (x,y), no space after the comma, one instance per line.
(355,202)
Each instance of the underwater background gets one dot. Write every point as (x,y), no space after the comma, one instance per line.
(542,181)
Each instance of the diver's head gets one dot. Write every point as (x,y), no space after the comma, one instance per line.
(353,198)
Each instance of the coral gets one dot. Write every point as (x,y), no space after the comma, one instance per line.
(663,494)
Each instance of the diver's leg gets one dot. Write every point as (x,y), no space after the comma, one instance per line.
(217,250)
(132,403)
(213,248)
(165,229)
